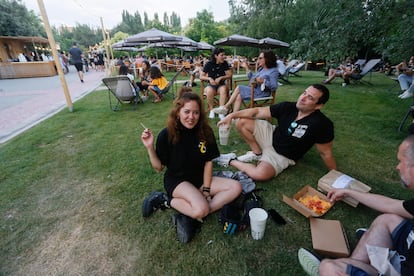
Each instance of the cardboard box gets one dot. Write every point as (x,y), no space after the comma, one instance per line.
(329,238)
(295,204)
(336,179)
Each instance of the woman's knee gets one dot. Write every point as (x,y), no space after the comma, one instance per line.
(201,210)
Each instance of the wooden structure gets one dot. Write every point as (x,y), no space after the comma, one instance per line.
(11,66)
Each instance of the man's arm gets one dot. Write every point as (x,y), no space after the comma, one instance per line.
(377,202)
(325,151)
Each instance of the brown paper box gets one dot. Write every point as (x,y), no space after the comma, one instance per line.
(325,185)
(295,204)
(329,238)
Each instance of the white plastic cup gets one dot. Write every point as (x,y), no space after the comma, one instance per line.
(258,218)
(224,132)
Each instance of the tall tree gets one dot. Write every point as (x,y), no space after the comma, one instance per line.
(16,20)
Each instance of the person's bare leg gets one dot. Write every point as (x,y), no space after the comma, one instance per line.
(210,93)
(246,129)
(232,98)
(379,234)
(237,103)
(189,201)
(222,91)
(260,172)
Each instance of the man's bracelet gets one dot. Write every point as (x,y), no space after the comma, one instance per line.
(206,189)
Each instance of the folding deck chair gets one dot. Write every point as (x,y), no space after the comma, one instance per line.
(172,81)
(295,69)
(289,69)
(123,90)
(365,70)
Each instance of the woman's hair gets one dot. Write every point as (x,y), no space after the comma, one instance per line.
(183,89)
(123,70)
(215,52)
(155,72)
(147,64)
(174,126)
(270,59)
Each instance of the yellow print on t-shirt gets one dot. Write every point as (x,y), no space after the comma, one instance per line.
(202,146)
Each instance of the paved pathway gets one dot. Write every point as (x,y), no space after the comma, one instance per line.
(28,101)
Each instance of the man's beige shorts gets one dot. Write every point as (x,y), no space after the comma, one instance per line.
(263,132)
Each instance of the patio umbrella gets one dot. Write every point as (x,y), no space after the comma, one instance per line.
(119,46)
(204,46)
(151,36)
(271,43)
(237,40)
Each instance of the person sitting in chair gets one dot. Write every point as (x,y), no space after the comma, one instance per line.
(158,83)
(406,78)
(216,72)
(264,81)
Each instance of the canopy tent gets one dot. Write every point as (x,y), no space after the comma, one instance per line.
(270,43)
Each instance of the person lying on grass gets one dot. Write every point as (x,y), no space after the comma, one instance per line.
(186,147)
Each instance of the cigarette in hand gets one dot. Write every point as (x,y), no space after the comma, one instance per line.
(143,126)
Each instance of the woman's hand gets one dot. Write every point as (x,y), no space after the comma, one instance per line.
(147,138)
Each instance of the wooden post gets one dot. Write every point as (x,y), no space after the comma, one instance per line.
(108,58)
(55,55)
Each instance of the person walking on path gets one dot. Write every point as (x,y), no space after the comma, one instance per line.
(76,55)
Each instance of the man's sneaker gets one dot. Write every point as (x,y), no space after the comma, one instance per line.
(250,156)
(359,232)
(221,116)
(155,201)
(186,227)
(309,262)
(220,110)
(211,114)
(224,159)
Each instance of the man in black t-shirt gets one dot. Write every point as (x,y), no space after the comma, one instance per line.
(76,55)
(300,126)
(393,230)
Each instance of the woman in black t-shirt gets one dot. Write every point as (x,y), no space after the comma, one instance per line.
(186,147)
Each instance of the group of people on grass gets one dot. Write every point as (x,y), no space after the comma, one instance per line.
(187,148)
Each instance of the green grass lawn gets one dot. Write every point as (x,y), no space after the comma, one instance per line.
(72,187)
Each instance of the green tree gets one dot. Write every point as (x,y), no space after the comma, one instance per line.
(16,20)
(204,28)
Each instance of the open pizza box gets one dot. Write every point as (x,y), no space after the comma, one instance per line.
(301,208)
(336,179)
(329,238)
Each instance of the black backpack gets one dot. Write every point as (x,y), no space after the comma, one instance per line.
(234,216)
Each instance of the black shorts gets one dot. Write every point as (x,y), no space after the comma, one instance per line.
(171,182)
(79,66)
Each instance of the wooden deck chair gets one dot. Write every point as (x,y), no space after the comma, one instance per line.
(123,90)
(295,69)
(255,102)
(358,78)
(285,76)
